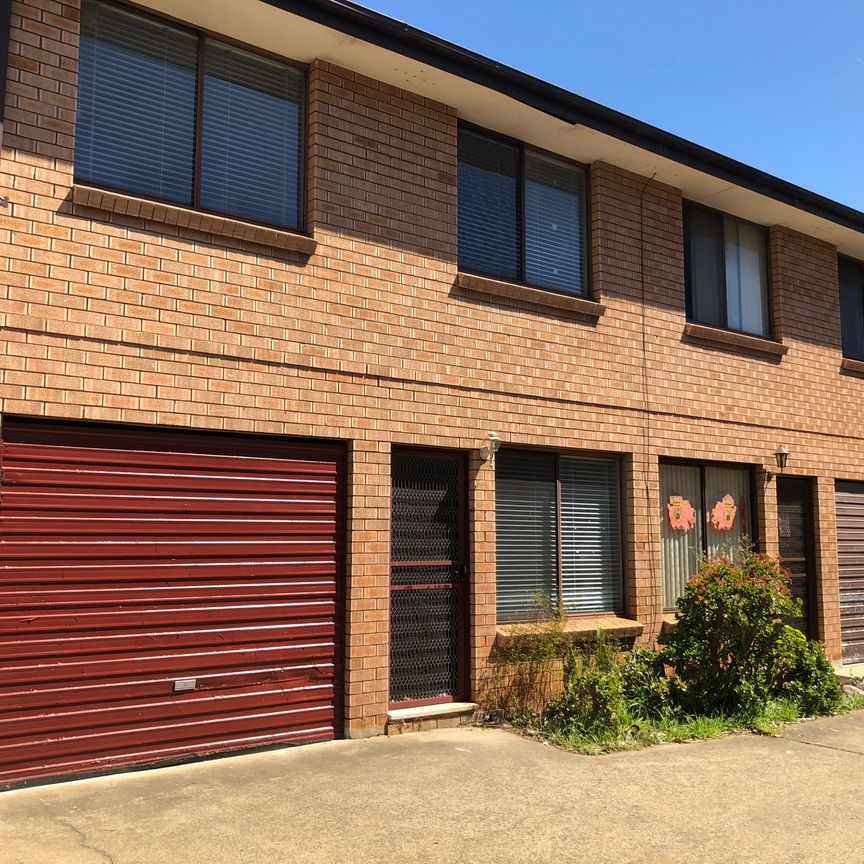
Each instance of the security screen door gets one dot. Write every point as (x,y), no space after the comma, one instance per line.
(427,578)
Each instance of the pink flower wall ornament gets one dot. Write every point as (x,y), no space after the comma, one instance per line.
(723,514)
(682,516)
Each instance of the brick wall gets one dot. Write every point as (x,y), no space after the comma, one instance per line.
(108,316)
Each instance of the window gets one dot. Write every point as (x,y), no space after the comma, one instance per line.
(851,277)
(705,509)
(727,271)
(141,129)
(558,533)
(521,214)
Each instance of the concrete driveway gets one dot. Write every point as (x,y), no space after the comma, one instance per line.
(464,795)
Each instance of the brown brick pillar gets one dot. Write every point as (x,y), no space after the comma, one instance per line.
(367,594)
(481,573)
(826,574)
(766,514)
(643,587)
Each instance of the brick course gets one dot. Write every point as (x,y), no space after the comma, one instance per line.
(112,316)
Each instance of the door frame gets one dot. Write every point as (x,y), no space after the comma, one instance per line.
(811,619)
(463,646)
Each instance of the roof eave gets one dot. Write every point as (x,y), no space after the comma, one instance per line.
(401,38)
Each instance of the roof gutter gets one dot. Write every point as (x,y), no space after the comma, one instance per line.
(393,35)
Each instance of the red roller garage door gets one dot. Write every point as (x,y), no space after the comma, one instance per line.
(163,595)
(850,552)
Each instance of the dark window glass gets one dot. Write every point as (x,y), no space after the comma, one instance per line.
(851,275)
(136,103)
(705,249)
(521,214)
(251,136)
(543,502)
(554,224)
(727,270)
(138,118)
(488,206)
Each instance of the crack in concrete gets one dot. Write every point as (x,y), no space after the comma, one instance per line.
(83,840)
(823,746)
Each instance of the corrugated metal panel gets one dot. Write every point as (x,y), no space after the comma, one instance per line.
(591,570)
(131,559)
(850,550)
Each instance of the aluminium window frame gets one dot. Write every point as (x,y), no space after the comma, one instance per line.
(688,274)
(753,534)
(860,265)
(618,459)
(521,149)
(202,34)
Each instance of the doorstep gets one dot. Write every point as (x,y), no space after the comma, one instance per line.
(426,717)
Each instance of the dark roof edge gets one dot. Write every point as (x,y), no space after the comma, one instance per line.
(386,32)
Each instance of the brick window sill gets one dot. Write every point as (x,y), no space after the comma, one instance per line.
(852,367)
(194,220)
(579,629)
(483,286)
(726,339)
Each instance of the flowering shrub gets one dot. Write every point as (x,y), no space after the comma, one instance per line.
(731,647)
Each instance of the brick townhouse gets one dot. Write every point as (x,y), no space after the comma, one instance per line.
(328,346)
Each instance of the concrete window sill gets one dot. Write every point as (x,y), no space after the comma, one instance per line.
(194,220)
(741,342)
(852,367)
(513,292)
(581,629)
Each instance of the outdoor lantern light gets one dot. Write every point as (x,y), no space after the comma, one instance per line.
(490,448)
(781,455)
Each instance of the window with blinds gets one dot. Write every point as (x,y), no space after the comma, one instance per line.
(727,271)
(140,130)
(521,214)
(704,488)
(851,279)
(136,103)
(558,534)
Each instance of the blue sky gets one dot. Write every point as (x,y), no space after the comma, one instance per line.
(778,85)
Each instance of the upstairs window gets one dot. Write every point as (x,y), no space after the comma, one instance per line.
(558,533)
(142,130)
(851,277)
(521,214)
(727,271)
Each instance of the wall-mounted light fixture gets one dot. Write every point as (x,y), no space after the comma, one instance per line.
(781,457)
(490,447)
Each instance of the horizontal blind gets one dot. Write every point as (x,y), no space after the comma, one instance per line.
(591,570)
(554,224)
(136,103)
(252,136)
(526,542)
(488,209)
(680,548)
